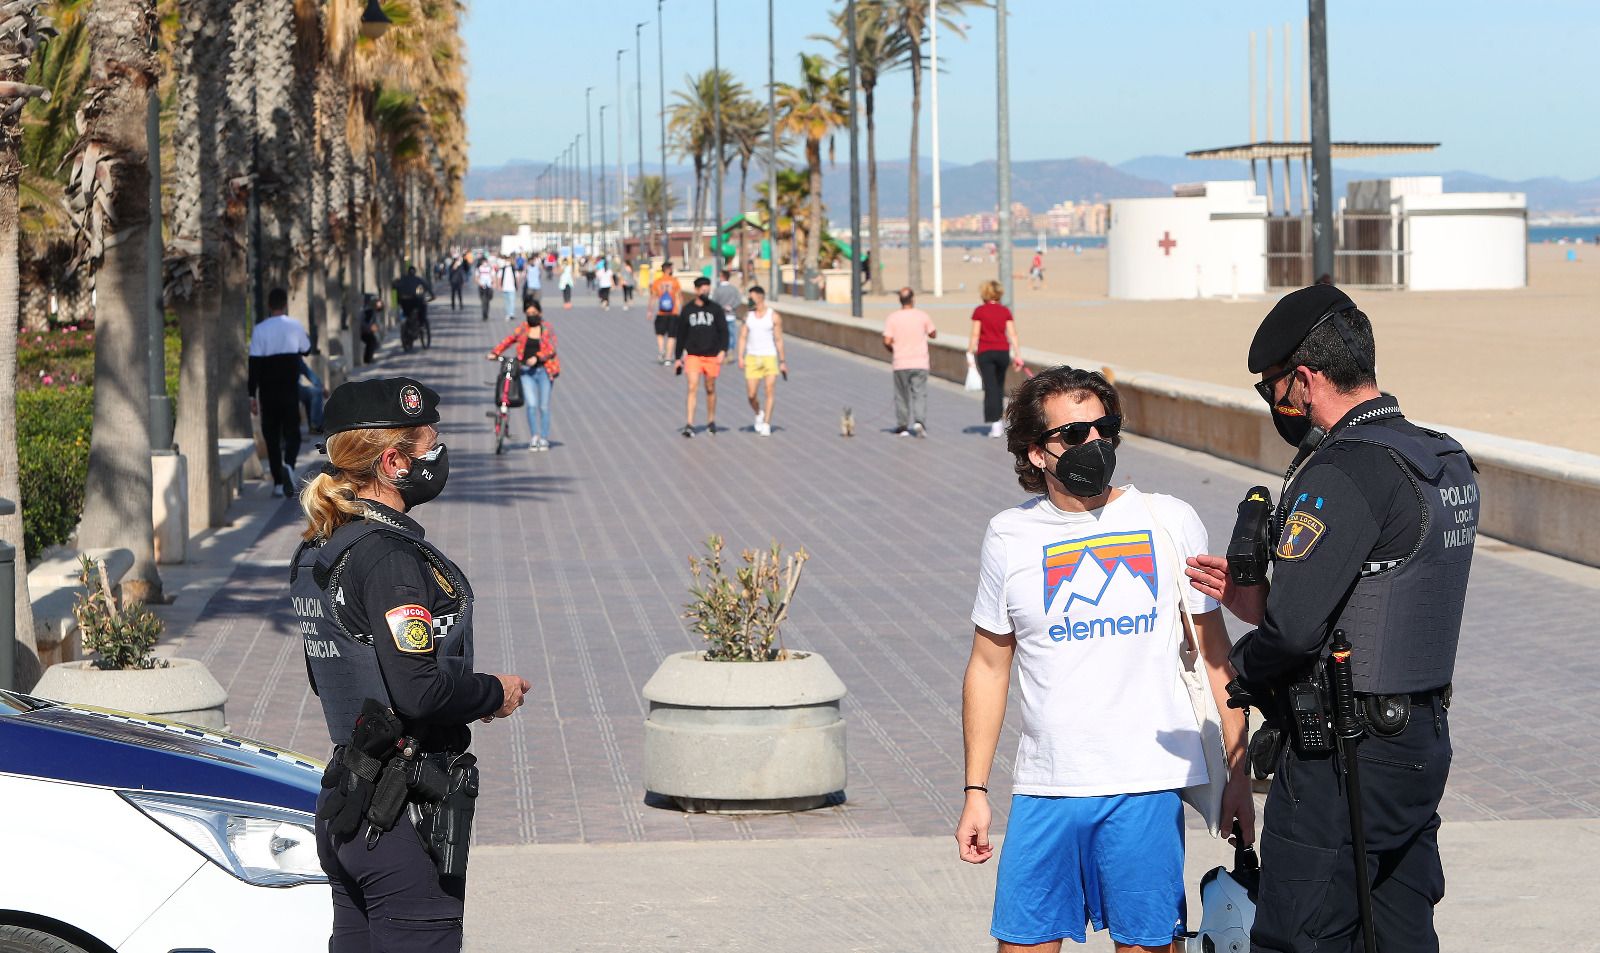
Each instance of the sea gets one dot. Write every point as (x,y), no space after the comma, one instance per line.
(1537,234)
(1556,234)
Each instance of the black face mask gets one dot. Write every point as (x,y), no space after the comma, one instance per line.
(1291,422)
(425,479)
(534,320)
(1085,470)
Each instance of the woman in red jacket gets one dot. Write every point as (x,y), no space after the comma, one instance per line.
(536,351)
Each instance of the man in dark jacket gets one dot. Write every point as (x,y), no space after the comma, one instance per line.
(701,332)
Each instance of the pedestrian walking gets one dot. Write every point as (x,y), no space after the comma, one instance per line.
(732,301)
(1375,528)
(1036,271)
(629,281)
(532,284)
(276,346)
(458,278)
(486,273)
(313,394)
(535,342)
(992,347)
(700,336)
(566,283)
(386,623)
(906,334)
(1109,735)
(665,298)
(602,282)
(508,287)
(761,356)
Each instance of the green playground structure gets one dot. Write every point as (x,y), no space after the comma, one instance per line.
(729,249)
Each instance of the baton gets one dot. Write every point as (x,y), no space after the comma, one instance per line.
(1347,729)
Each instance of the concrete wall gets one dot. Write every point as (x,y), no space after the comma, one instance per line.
(1543,498)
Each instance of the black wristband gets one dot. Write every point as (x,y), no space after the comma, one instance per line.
(974,787)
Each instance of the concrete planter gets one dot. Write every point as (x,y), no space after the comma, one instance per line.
(183,691)
(735,737)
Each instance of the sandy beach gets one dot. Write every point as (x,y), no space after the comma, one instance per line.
(1504,362)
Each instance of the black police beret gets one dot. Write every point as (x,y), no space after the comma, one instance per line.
(1290,320)
(380,403)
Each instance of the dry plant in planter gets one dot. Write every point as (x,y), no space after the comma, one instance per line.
(122,636)
(740,615)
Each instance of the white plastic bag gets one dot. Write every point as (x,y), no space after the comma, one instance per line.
(974,379)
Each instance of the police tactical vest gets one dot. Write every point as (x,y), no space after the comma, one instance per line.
(1403,618)
(344,664)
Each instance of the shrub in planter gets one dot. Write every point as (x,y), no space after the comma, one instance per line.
(727,735)
(122,636)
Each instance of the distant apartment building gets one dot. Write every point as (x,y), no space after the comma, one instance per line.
(529,211)
(1078,218)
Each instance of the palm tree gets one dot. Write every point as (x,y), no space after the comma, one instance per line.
(910,20)
(692,120)
(744,126)
(784,221)
(880,49)
(653,201)
(110,193)
(19,37)
(49,132)
(812,110)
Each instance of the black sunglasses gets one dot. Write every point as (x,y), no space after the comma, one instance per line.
(1264,386)
(1077,432)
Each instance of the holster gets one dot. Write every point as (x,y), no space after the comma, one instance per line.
(445,824)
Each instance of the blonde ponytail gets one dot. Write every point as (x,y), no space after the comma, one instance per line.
(330,498)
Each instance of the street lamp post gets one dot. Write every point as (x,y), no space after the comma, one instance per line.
(1003,148)
(588,148)
(855,170)
(622,168)
(716,136)
(1322,243)
(602,241)
(772,163)
(661,82)
(638,115)
(938,185)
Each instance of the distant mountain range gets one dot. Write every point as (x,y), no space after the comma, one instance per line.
(1039,184)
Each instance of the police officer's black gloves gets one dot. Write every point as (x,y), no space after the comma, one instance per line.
(354,775)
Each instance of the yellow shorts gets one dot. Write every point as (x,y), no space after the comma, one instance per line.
(758,366)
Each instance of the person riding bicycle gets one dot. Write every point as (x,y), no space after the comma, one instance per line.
(414,293)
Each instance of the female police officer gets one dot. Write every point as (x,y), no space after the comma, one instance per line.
(387,623)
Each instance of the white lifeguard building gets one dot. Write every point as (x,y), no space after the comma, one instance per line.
(1219,239)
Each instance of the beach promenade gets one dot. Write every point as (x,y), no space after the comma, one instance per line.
(579,561)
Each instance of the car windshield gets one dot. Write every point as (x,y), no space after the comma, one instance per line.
(16,703)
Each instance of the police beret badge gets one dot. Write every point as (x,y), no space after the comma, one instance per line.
(411,400)
(412,628)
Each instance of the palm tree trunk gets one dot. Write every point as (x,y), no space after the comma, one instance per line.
(117,509)
(873,245)
(699,202)
(744,182)
(814,220)
(914,175)
(26,650)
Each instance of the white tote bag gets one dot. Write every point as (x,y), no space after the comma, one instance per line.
(1205,798)
(974,379)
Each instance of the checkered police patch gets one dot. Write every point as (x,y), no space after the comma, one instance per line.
(1301,533)
(411,400)
(412,628)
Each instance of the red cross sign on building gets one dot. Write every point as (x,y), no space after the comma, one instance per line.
(1167,244)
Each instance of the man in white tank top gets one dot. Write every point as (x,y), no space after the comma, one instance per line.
(761,356)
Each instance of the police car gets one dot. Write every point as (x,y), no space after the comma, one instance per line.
(125,833)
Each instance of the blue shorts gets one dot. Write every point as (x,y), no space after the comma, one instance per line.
(1114,861)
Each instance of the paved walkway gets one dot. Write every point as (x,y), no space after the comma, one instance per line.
(579,555)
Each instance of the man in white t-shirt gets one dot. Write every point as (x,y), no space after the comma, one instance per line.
(1079,587)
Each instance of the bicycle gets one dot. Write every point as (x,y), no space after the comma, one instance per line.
(508,394)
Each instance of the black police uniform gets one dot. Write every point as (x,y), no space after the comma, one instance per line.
(386,616)
(1375,538)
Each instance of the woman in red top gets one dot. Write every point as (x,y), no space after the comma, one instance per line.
(536,351)
(992,346)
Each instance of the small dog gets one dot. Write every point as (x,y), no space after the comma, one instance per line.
(847,423)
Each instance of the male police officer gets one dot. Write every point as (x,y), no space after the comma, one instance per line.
(386,620)
(1374,538)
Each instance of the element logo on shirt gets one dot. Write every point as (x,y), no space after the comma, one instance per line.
(1062,562)
(412,628)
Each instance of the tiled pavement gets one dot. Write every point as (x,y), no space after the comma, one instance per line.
(578,557)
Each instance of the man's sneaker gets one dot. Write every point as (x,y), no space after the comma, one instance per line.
(764,429)
(917,430)
(711,428)
(761,418)
(903,432)
(544,444)
(997,429)
(533,445)
(687,431)
(277,489)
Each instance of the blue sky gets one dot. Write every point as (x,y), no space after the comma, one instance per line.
(1508,89)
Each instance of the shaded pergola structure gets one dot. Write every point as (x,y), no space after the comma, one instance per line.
(1288,152)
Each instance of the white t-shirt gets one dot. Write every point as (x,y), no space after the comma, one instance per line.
(1093,603)
(602,278)
(279,334)
(760,341)
(485,275)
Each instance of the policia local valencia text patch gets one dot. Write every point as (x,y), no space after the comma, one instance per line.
(412,628)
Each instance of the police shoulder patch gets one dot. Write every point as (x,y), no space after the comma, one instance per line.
(412,628)
(1301,533)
